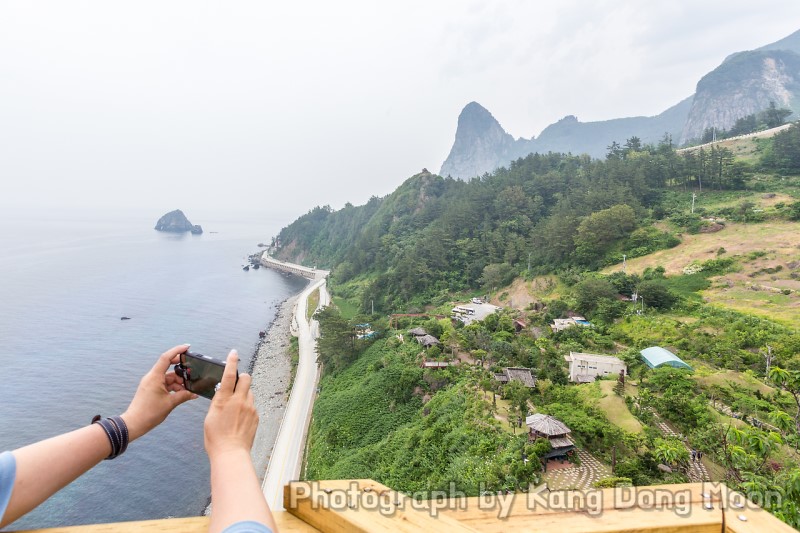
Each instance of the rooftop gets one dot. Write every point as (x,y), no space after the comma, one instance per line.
(520,374)
(547,425)
(428,340)
(657,356)
(595,358)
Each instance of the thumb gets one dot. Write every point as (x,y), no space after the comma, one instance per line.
(180,397)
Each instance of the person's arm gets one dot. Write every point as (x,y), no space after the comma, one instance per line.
(45,467)
(230,428)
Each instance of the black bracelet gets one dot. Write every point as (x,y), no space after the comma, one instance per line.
(117,433)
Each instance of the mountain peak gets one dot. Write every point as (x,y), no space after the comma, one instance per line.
(476,117)
(480,146)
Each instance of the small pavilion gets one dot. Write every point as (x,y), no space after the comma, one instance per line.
(546,427)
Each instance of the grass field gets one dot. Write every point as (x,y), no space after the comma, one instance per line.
(347,308)
(738,239)
(612,405)
(744,149)
(313,302)
(707,377)
(768,259)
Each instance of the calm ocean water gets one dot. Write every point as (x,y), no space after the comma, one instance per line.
(65,355)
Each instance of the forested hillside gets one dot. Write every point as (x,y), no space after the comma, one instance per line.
(551,212)
(709,242)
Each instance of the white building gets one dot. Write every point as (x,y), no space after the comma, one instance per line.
(560,324)
(585,367)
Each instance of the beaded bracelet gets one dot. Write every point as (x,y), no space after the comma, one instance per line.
(117,433)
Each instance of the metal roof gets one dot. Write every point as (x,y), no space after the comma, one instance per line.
(578,356)
(656,356)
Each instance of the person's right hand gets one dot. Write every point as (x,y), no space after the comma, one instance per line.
(232,420)
(159,392)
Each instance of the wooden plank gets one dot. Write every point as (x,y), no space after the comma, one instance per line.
(669,508)
(170,525)
(362,505)
(756,521)
(661,520)
(743,516)
(367,506)
(196,524)
(591,501)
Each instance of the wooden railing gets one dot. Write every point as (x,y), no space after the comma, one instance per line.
(367,506)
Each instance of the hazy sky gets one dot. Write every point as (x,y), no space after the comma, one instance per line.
(281,106)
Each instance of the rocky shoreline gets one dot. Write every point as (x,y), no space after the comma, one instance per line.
(270,368)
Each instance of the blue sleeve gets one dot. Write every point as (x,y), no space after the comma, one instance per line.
(8,472)
(247,526)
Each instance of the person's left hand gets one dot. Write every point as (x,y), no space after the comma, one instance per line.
(158,394)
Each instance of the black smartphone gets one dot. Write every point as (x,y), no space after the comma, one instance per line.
(201,374)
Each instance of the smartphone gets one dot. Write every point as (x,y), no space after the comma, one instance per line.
(201,373)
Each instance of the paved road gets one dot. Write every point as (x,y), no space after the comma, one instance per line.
(287,455)
(754,135)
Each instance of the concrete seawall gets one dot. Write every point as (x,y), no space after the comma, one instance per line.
(300,270)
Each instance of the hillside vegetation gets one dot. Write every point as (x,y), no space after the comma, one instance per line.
(545,239)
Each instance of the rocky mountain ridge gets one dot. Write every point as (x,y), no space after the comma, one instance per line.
(745,83)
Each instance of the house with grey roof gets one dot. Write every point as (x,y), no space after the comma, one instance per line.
(523,375)
(586,367)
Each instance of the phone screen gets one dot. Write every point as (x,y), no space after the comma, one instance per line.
(202,373)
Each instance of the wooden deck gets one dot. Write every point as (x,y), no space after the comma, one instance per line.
(367,506)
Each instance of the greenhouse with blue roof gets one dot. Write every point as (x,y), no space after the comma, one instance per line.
(656,357)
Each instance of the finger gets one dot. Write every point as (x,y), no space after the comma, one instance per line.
(175,387)
(228,383)
(181,397)
(243,386)
(169,357)
(172,377)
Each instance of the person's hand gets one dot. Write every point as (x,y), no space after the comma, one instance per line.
(232,420)
(158,394)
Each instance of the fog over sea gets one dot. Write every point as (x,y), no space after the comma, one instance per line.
(66,279)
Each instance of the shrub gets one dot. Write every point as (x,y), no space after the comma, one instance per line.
(612,482)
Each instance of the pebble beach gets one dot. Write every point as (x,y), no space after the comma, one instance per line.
(271,371)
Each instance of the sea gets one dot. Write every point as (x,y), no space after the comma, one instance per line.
(66,279)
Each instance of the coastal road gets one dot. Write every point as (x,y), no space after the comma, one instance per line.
(287,455)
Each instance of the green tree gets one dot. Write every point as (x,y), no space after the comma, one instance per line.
(789,380)
(774,116)
(497,275)
(597,232)
(518,394)
(591,292)
(656,294)
(336,344)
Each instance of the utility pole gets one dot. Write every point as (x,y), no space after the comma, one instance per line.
(529,263)
(768,357)
(623,262)
(693,198)
(372,304)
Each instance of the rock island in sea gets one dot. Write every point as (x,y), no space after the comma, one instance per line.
(176,221)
